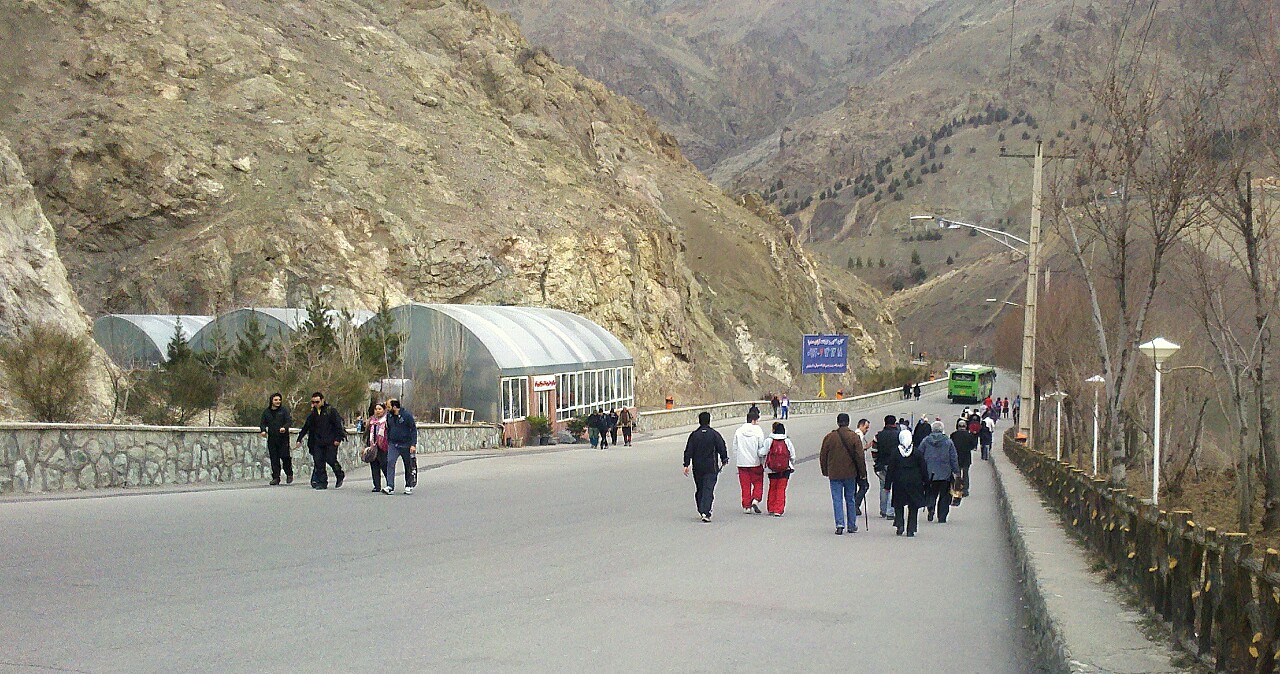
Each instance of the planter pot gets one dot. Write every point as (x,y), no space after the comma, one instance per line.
(544,439)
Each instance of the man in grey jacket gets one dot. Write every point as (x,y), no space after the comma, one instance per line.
(943,465)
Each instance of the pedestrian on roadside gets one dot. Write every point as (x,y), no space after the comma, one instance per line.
(921,431)
(907,474)
(884,442)
(1004,407)
(627,422)
(944,466)
(749,449)
(986,431)
(324,432)
(602,428)
(785,405)
(780,460)
(274,426)
(705,452)
(1016,408)
(965,443)
(906,391)
(775,402)
(402,443)
(863,427)
(844,462)
(375,443)
(915,390)
(755,409)
(613,427)
(593,428)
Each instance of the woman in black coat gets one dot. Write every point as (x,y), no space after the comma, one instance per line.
(906,474)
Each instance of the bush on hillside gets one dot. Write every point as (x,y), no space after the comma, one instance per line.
(48,371)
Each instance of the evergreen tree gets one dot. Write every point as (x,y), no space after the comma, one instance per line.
(915,256)
(381,343)
(179,349)
(882,263)
(250,354)
(318,333)
(950,261)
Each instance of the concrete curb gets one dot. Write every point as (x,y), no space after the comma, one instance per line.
(1079,621)
(1050,645)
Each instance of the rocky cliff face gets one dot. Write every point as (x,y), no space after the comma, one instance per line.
(196,156)
(33,282)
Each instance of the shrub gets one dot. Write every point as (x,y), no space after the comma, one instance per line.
(576,426)
(48,371)
(539,425)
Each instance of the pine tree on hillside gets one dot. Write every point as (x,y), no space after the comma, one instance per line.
(250,354)
(179,349)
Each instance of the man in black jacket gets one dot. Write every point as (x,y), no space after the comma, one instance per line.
(324,432)
(274,426)
(706,452)
(965,443)
(885,442)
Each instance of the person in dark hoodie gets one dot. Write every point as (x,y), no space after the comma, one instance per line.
(274,426)
(706,453)
(965,443)
(883,444)
(921,431)
(402,443)
(907,474)
(324,432)
(943,465)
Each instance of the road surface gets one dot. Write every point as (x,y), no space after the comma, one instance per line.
(575,560)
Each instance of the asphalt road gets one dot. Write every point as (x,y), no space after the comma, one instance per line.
(571,560)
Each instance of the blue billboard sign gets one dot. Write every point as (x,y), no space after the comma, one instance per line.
(824,354)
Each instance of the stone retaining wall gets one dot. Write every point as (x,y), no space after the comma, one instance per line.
(37,458)
(688,416)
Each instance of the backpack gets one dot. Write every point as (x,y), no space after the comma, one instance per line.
(779,457)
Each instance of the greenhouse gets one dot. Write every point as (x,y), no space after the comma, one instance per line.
(277,325)
(138,341)
(507,363)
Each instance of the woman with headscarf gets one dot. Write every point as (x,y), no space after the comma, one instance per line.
(375,443)
(780,462)
(906,474)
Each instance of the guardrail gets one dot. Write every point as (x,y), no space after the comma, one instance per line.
(1221,601)
(653,420)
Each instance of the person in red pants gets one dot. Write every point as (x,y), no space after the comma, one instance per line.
(749,448)
(780,461)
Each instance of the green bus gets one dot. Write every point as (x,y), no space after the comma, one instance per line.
(970,383)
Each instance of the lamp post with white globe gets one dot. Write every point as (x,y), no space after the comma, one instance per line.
(1159,349)
(1097,381)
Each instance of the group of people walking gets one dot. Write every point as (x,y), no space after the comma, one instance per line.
(921,468)
(390,435)
(602,427)
(910,391)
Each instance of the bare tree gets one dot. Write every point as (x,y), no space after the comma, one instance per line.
(1137,187)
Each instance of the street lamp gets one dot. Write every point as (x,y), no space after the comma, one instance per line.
(1058,395)
(1097,381)
(1032,255)
(1160,349)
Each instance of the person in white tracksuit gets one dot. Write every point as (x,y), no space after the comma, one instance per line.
(749,445)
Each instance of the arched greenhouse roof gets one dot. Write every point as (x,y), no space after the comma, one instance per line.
(528,340)
(139,340)
(276,324)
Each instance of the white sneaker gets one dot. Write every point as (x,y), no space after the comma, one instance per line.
(388,490)
(408,491)
(746,511)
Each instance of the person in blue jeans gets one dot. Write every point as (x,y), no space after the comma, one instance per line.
(402,443)
(843,461)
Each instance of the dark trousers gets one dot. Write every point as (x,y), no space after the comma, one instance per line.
(913,518)
(278,450)
(613,435)
(863,487)
(939,496)
(1016,414)
(378,467)
(604,438)
(705,488)
(323,458)
(626,435)
(964,479)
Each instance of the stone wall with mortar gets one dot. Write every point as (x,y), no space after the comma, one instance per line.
(688,416)
(36,458)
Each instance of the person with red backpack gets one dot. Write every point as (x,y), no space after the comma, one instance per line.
(780,461)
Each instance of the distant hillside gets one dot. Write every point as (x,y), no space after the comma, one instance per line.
(193,157)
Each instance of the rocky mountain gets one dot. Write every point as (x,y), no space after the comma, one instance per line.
(197,156)
(725,74)
(33,283)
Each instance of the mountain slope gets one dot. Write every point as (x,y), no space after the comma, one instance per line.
(197,156)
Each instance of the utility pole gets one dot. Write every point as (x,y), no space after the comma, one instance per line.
(1028,393)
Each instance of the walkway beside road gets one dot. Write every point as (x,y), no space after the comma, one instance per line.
(1080,620)
(532,561)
